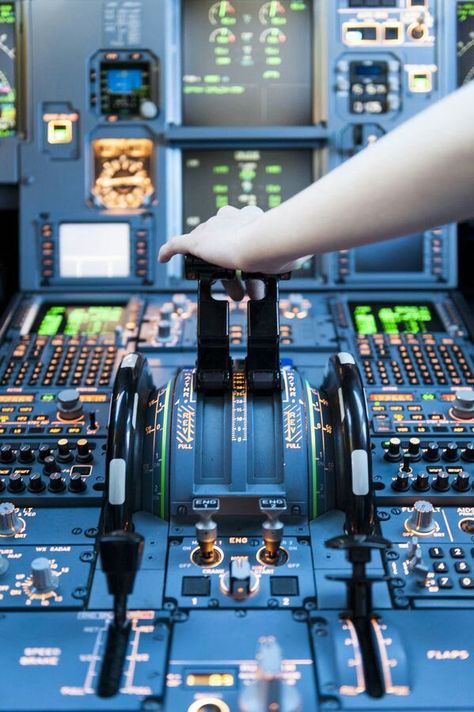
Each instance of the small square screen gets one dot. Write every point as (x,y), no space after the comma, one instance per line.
(94,250)
(124,81)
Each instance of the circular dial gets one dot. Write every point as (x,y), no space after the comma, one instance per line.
(123,183)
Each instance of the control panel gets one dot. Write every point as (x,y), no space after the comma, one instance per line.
(209,505)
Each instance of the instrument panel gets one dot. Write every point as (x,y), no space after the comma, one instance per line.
(218,506)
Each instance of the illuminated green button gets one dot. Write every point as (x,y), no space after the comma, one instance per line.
(47,397)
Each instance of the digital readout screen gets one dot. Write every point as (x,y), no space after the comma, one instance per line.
(77,319)
(390,318)
(7,69)
(465,41)
(124,80)
(247,62)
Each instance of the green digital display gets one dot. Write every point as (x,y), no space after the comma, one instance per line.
(77,319)
(387,318)
(7,69)
(465,42)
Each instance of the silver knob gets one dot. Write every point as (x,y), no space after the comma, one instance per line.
(269,691)
(421,520)
(10,523)
(43,578)
(463,406)
(148,109)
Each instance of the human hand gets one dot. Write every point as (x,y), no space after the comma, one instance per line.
(224,240)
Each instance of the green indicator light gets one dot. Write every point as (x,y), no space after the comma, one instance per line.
(273,188)
(193,90)
(223,61)
(274,201)
(421,82)
(428,396)
(211,78)
(221,51)
(271,74)
(47,397)
(228,21)
(275,61)
(273,169)
(247,175)
(279,21)
(272,51)
(221,188)
(221,201)
(221,169)
(297,6)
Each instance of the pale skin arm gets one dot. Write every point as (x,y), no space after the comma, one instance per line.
(418,176)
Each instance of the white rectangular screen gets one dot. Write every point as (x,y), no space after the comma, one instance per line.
(94,250)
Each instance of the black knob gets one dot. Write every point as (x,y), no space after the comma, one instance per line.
(451,452)
(76,483)
(15,482)
(26,454)
(406,464)
(441,482)
(468,453)
(394,451)
(69,404)
(44,452)
(462,481)
(402,482)
(431,453)
(422,482)
(56,482)
(64,450)
(50,465)
(121,553)
(164,329)
(414,449)
(7,453)
(84,453)
(36,482)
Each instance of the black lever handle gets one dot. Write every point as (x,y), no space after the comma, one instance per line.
(120,554)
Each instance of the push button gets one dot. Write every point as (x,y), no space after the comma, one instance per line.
(196,586)
(284,586)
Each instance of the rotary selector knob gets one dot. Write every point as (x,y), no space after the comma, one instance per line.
(394,450)
(414,449)
(36,483)
(431,453)
(10,522)
(421,520)
(468,452)
(64,450)
(422,482)
(50,465)
(44,452)
(451,452)
(69,404)
(463,406)
(84,453)
(462,481)
(7,454)
(401,482)
(441,482)
(26,454)
(42,577)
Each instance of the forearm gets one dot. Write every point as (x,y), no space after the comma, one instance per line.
(418,176)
